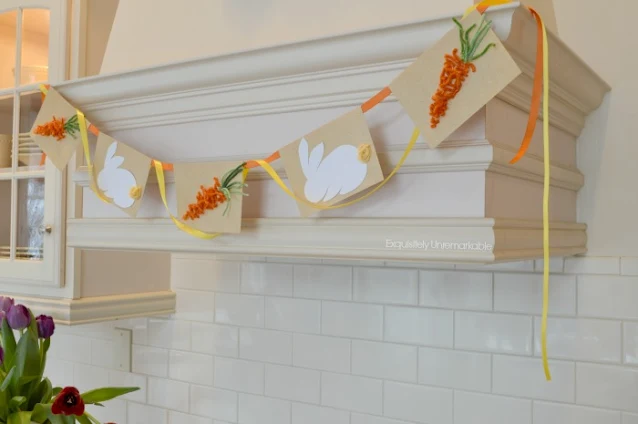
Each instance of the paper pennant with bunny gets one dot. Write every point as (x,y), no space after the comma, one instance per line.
(332,163)
(121,173)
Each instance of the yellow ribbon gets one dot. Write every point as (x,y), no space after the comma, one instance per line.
(546,180)
(273,174)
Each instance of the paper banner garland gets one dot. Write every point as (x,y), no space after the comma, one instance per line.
(121,173)
(474,83)
(210,195)
(56,129)
(332,163)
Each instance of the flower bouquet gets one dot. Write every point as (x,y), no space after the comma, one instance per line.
(26,396)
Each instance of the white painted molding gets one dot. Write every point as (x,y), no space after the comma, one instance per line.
(339,238)
(104,308)
(324,73)
(453,157)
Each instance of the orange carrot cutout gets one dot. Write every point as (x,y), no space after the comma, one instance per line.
(59,128)
(208,198)
(457,68)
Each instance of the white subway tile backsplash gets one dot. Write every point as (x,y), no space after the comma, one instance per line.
(359,394)
(144,414)
(321,353)
(169,334)
(194,305)
(323,282)
(205,274)
(629,418)
(581,339)
(429,327)
(417,403)
(265,345)
(456,289)
(370,419)
(343,342)
(383,285)
(523,293)
(310,414)
(556,265)
(352,320)
(239,375)
(215,339)
(181,418)
(475,408)
(523,377)
(237,309)
(630,336)
(293,383)
(213,403)
(299,315)
(150,361)
(127,379)
(384,360)
(607,296)
(266,278)
(262,410)
(629,266)
(493,332)
(592,265)
(607,386)
(169,394)
(556,413)
(191,367)
(455,369)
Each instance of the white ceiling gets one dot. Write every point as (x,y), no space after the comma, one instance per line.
(33,20)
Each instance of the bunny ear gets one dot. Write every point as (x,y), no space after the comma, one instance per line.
(110,152)
(315,157)
(303,156)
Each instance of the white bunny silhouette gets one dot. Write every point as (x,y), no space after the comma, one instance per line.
(339,173)
(115,182)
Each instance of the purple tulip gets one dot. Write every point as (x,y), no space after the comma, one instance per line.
(6,303)
(19,317)
(46,326)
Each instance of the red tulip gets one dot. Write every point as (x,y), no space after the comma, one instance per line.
(68,402)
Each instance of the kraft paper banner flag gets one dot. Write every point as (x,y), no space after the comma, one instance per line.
(56,129)
(332,163)
(121,173)
(455,78)
(210,195)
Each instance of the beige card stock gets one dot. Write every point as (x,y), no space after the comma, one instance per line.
(415,86)
(332,163)
(190,178)
(58,151)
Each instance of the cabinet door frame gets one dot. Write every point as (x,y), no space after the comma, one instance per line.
(31,276)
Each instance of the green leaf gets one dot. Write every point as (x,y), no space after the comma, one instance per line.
(61,419)
(27,359)
(7,379)
(83,419)
(41,393)
(16,402)
(8,344)
(22,417)
(41,413)
(56,391)
(106,393)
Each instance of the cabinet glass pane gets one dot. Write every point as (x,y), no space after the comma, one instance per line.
(8,43)
(5,217)
(35,46)
(6,133)
(29,154)
(31,231)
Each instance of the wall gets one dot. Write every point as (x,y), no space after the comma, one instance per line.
(99,21)
(286,342)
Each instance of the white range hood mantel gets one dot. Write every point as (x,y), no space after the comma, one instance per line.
(465,191)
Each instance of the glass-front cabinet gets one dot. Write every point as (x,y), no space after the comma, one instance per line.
(32,52)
